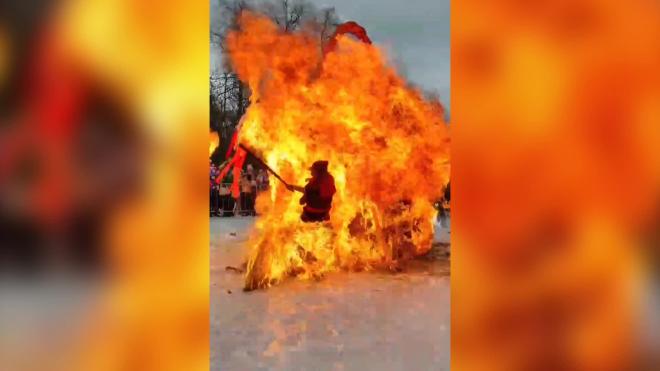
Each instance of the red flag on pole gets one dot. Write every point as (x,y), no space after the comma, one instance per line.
(351,28)
(224,172)
(232,145)
(234,139)
(238,165)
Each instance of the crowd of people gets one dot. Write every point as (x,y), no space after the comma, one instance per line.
(222,203)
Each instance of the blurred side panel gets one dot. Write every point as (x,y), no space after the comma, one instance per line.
(556,179)
(103,167)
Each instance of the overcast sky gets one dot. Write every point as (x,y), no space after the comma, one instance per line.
(414,32)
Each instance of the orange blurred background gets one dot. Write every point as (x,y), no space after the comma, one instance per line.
(103,171)
(103,185)
(556,176)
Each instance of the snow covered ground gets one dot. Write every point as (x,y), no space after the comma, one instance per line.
(348,321)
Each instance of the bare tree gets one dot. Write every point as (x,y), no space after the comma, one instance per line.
(230,96)
(230,10)
(288,14)
(229,101)
(323,25)
(328,24)
(292,14)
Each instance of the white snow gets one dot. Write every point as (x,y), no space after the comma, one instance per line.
(347,321)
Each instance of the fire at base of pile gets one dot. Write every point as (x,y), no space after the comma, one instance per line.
(386,143)
(373,239)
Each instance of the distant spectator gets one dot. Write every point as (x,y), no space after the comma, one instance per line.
(227,202)
(214,197)
(254,186)
(444,206)
(262,180)
(247,195)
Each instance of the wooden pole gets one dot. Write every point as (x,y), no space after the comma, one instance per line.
(264,164)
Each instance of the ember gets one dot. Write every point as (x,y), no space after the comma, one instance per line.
(387,148)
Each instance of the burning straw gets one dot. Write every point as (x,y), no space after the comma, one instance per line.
(387,147)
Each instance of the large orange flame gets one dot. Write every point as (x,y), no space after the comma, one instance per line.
(384,142)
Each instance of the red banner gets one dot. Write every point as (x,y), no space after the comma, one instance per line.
(351,28)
